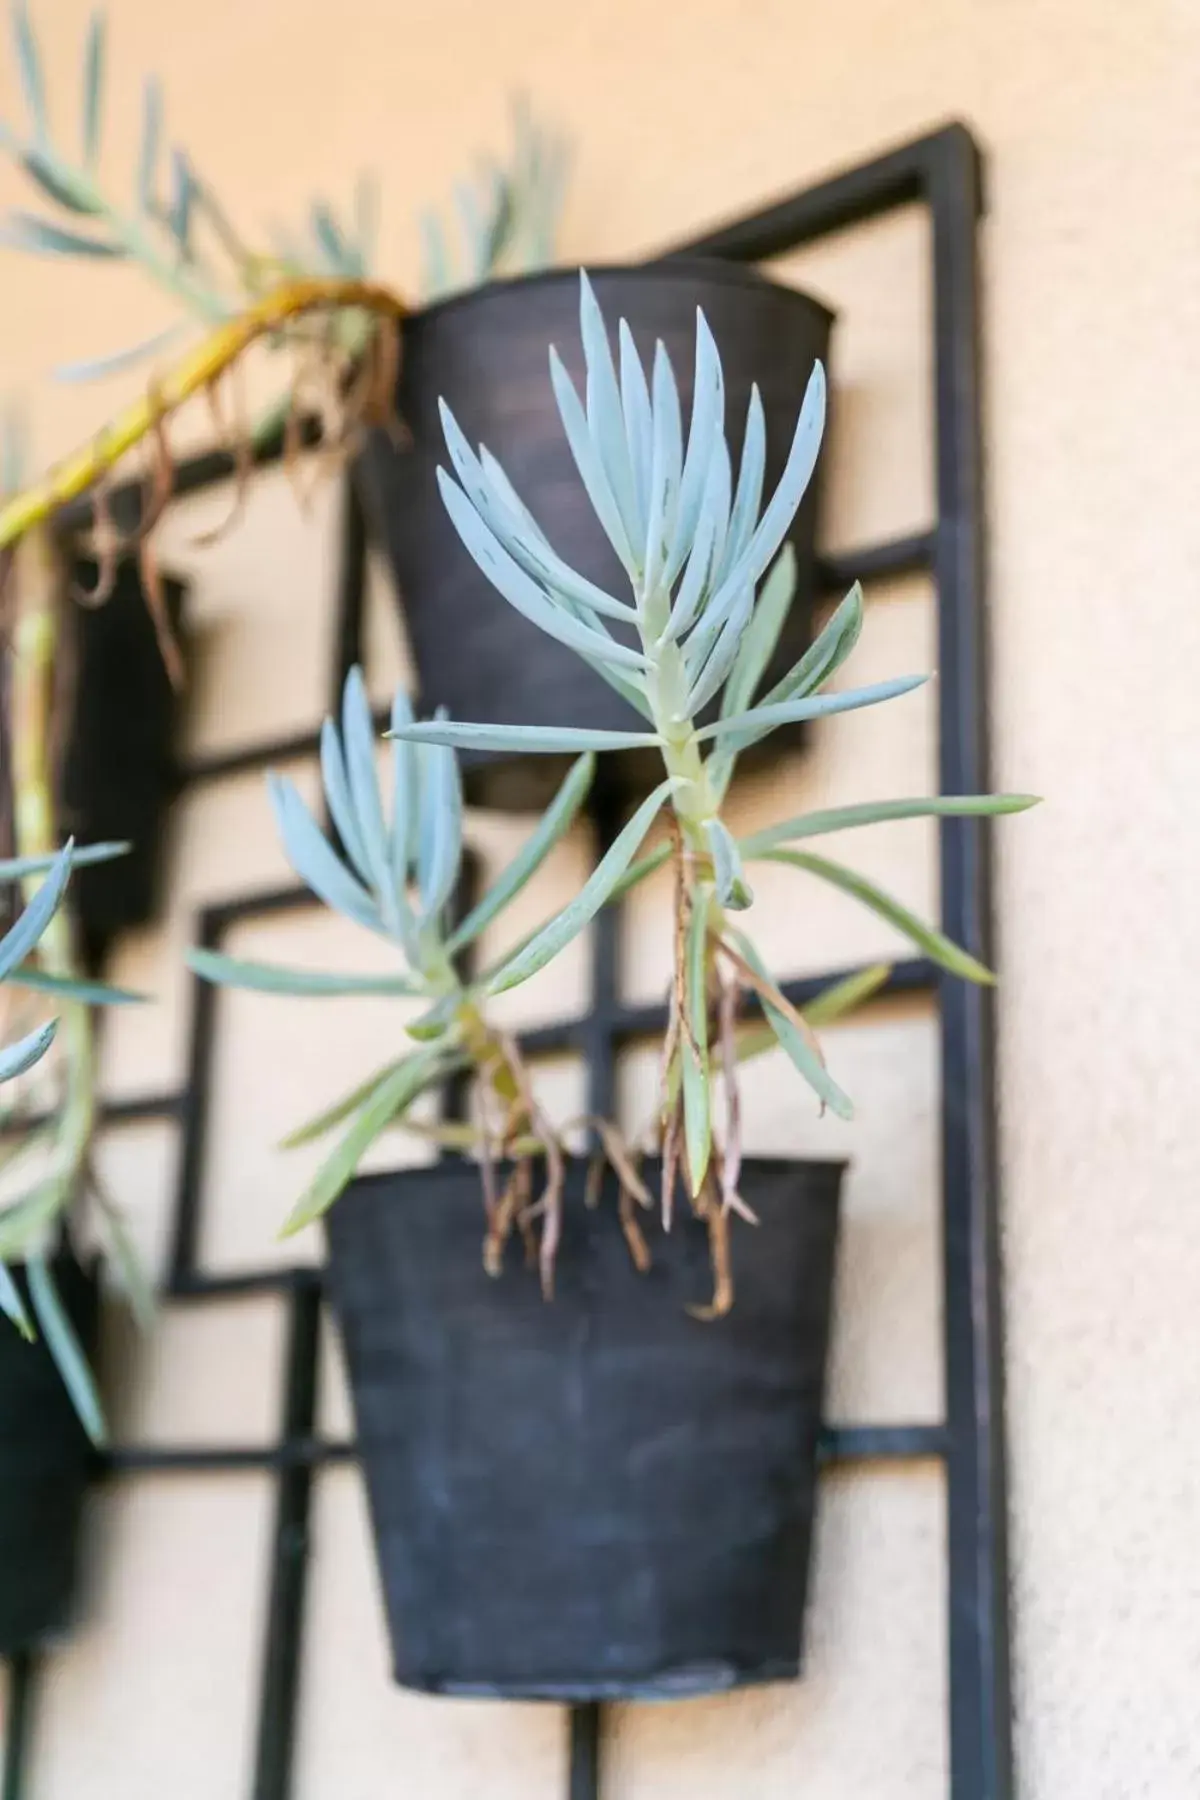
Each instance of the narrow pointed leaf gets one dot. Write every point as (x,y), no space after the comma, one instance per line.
(398,1091)
(665,466)
(439,849)
(936,945)
(16,868)
(19,942)
(16,1058)
(554,824)
(587,460)
(637,872)
(95,368)
(328,234)
(148,154)
(559,932)
(93,88)
(746,728)
(68,987)
(25,231)
(606,423)
(273,978)
(61,183)
(800,1051)
(733,890)
(875,812)
(404,796)
(695,608)
(341,1110)
(773,527)
(707,426)
(313,859)
(825,654)
(537,740)
(436,1020)
(29,64)
(12,1305)
(502,508)
(25,1220)
(639,421)
(336,785)
(520,590)
(65,1347)
(754,653)
(358,749)
(711,676)
(841,997)
(748,496)
(762,634)
(179,213)
(831,1004)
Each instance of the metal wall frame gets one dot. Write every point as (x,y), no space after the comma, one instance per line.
(941,172)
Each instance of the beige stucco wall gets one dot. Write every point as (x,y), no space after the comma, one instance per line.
(682,114)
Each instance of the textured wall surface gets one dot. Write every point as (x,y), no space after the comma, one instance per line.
(683,114)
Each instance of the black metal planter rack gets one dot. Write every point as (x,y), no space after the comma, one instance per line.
(942,172)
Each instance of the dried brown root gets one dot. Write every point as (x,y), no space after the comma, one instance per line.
(639,1250)
(549,1207)
(277,311)
(233,435)
(709,1207)
(107,545)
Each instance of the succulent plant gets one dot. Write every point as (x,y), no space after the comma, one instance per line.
(396,874)
(31,1217)
(707,598)
(173,226)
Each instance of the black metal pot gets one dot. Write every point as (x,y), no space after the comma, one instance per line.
(118,773)
(485,352)
(44,1455)
(600,1495)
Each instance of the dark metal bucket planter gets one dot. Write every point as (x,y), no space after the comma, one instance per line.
(44,1454)
(599,1496)
(119,773)
(486,353)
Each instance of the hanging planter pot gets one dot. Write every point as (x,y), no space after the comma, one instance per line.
(45,1454)
(484,352)
(118,771)
(600,1495)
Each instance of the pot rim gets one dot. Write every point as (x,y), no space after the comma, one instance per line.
(686,267)
(817,1165)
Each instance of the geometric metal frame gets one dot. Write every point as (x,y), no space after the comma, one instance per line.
(942,171)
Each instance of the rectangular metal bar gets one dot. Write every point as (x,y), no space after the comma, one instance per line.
(199,1285)
(913,976)
(980,1694)
(880,1443)
(23,1671)
(846,198)
(289,1570)
(185,1213)
(350,617)
(220,1459)
(839,1444)
(890,561)
(583,1769)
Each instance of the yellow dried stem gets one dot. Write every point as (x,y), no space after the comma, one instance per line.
(79,472)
